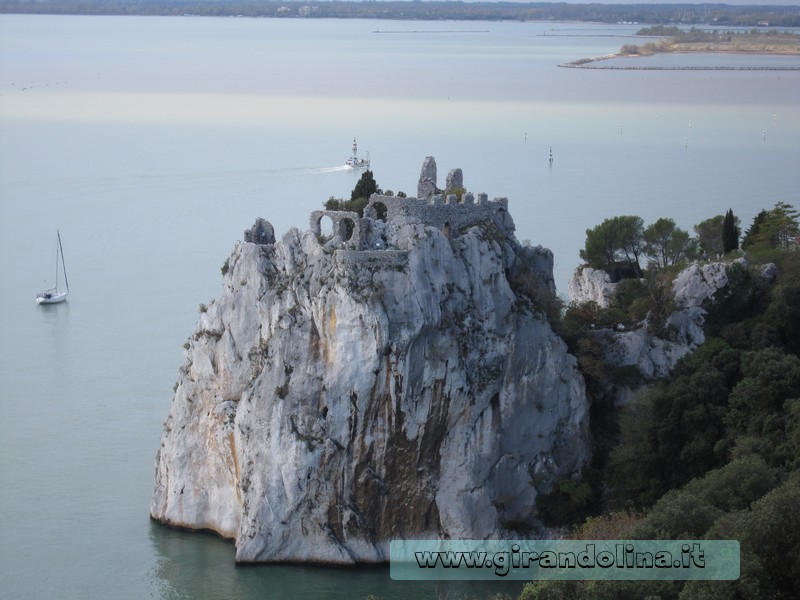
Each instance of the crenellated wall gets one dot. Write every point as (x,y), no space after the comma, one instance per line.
(450,214)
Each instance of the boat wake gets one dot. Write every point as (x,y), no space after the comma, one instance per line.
(332,169)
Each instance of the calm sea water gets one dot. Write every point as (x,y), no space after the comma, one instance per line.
(151,143)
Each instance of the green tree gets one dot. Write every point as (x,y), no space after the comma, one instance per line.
(779,229)
(730,232)
(359,197)
(365,187)
(751,234)
(616,242)
(770,378)
(666,244)
(709,235)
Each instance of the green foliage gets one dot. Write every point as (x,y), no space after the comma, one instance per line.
(730,232)
(780,323)
(616,242)
(617,245)
(673,432)
(769,535)
(714,450)
(756,406)
(751,234)
(458,192)
(705,353)
(359,197)
(691,511)
(709,235)
(633,301)
(525,279)
(778,227)
(357,206)
(660,30)
(666,243)
(569,502)
(735,302)
(600,590)
(365,187)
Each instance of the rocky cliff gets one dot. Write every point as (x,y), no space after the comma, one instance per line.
(394,381)
(654,356)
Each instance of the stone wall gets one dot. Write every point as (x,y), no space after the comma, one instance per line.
(447,214)
(451,215)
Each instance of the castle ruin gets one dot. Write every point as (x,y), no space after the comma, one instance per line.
(451,214)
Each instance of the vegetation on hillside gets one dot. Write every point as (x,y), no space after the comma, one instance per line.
(713,451)
(755,41)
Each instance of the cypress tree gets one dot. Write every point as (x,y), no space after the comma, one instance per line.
(730,233)
(365,187)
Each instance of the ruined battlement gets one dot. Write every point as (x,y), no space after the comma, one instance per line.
(451,214)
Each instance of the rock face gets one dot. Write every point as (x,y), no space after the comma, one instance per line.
(426,187)
(454,180)
(260,233)
(653,356)
(337,396)
(697,282)
(591,285)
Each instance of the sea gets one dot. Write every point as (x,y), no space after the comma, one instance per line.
(152,143)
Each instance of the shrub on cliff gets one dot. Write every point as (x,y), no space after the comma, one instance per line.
(359,197)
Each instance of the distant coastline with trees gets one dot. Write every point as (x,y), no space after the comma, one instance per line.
(685,14)
(676,40)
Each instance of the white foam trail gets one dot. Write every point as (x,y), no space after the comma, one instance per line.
(332,169)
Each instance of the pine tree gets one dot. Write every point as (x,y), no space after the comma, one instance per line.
(751,235)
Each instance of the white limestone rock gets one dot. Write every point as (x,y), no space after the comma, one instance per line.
(697,282)
(591,285)
(654,356)
(333,400)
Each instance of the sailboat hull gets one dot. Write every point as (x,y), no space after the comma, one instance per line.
(51,297)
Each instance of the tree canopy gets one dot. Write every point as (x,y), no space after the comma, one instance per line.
(730,232)
(712,451)
(359,197)
(778,228)
(667,244)
(615,244)
(365,187)
(709,235)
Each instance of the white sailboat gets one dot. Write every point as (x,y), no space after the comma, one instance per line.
(53,295)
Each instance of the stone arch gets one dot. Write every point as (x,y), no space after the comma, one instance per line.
(378,210)
(346,228)
(446,229)
(325,226)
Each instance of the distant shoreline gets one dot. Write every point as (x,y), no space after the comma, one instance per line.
(590,63)
(748,44)
(725,15)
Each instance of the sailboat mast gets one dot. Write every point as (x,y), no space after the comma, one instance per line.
(55,283)
(63,266)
